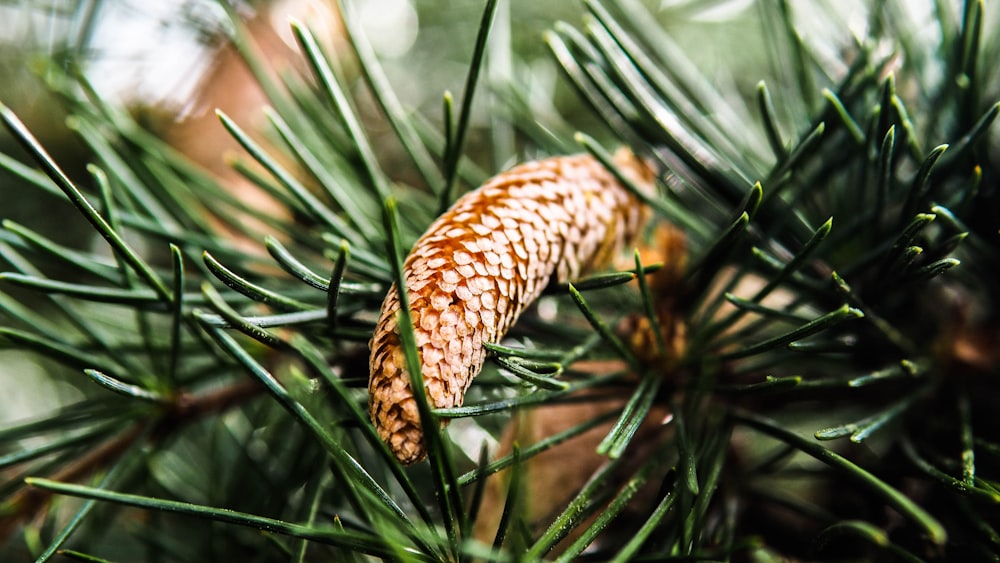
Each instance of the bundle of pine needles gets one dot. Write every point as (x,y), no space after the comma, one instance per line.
(801,362)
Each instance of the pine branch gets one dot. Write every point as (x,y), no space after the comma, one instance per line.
(813,271)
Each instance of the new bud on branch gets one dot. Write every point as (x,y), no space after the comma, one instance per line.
(481,264)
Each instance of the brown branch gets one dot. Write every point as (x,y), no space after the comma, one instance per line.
(28,503)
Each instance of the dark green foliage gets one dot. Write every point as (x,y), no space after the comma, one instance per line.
(841,221)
